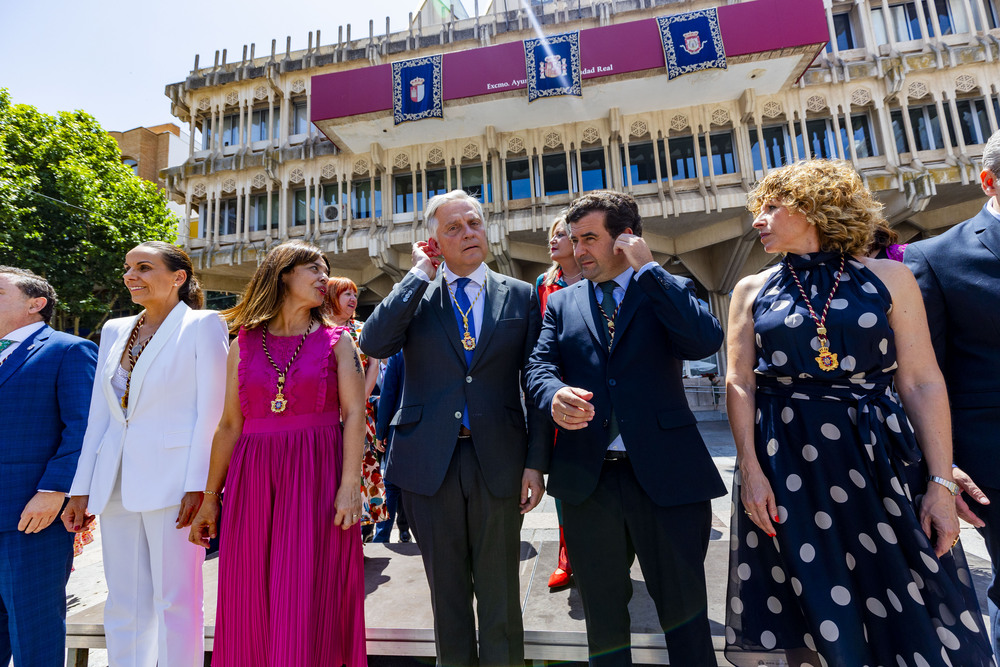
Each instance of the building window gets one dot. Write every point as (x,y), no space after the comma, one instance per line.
(473,183)
(641,168)
(926,128)
(437,182)
(723,153)
(820,137)
(302,207)
(973,120)
(776,149)
(132,164)
(206,134)
(592,169)
(556,176)
(905,22)
(864,145)
(231,130)
(992,16)
(260,128)
(258,212)
(300,120)
(682,157)
(899,131)
(227,216)
(363,201)
(403,193)
(843,33)
(518,179)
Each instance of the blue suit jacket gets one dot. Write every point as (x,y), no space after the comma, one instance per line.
(45,385)
(388,400)
(959,276)
(660,322)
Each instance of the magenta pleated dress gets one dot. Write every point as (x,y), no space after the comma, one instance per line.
(291,583)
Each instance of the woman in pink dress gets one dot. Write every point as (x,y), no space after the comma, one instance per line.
(291,574)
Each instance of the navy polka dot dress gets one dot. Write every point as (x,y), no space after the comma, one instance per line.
(850,579)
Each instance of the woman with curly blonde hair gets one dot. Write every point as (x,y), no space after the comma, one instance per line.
(845,551)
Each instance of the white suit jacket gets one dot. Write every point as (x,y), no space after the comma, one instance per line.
(163,442)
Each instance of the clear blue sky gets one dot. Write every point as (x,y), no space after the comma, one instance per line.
(112,58)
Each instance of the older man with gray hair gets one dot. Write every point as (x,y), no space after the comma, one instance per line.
(959,275)
(467,459)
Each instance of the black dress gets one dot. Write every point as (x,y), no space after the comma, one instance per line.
(850,579)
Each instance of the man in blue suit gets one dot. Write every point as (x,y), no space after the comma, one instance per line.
(45,381)
(629,464)
(959,276)
(388,403)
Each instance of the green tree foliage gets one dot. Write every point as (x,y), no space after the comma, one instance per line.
(70,210)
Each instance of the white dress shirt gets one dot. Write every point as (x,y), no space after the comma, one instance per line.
(18,336)
(621,285)
(477,281)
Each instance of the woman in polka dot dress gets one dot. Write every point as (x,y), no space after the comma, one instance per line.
(843,552)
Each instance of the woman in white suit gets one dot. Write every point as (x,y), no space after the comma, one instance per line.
(158,396)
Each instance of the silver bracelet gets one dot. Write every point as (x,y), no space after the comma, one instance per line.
(951,486)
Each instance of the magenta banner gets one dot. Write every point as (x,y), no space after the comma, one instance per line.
(617,49)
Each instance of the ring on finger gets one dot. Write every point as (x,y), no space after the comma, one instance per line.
(954,543)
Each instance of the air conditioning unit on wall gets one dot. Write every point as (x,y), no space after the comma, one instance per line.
(330,213)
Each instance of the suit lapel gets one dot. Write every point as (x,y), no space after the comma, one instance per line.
(439,295)
(28,347)
(630,305)
(111,364)
(496,299)
(989,234)
(153,348)
(584,298)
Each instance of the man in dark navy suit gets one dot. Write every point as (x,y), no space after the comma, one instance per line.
(46,379)
(629,464)
(959,275)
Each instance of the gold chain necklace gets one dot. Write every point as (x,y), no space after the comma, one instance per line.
(468,342)
(133,356)
(827,361)
(279,403)
(610,320)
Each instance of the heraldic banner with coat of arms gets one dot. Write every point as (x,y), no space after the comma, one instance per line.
(416,89)
(692,41)
(553,65)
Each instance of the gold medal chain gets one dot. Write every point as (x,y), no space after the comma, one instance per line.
(827,361)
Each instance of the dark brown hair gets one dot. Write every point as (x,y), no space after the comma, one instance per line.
(620,211)
(178,260)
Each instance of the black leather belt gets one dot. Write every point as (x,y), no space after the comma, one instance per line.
(613,455)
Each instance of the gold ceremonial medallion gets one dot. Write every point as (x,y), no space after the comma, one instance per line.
(827,360)
(279,403)
(468,342)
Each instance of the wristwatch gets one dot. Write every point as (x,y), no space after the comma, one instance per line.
(951,486)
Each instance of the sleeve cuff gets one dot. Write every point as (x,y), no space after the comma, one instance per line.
(419,273)
(645,267)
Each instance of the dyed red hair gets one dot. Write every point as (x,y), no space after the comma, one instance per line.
(337,286)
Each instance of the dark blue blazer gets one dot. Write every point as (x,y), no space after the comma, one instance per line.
(959,276)
(45,387)
(388,400)
(660,323)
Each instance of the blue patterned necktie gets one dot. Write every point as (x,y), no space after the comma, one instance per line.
(462,299)
(610,311)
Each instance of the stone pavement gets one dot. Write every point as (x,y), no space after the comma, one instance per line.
(87,584)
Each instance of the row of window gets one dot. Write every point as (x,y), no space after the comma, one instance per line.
(584,170)
(262,125)
(904,21)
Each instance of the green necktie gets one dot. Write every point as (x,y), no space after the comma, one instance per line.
(609,306)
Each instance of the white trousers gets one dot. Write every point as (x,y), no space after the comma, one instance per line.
(154,615)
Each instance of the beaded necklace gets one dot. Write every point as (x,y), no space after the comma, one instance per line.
(827,360)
